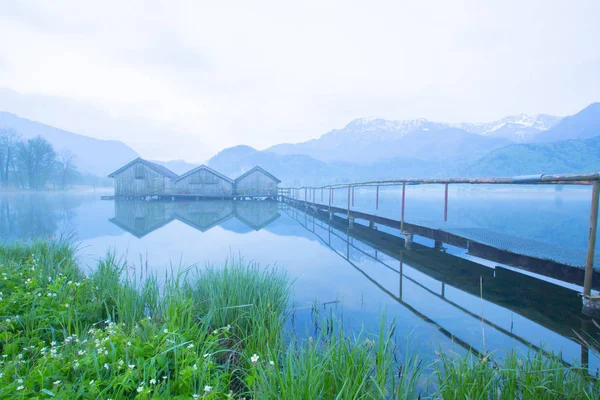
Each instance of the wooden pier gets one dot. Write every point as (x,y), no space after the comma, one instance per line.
(569,265)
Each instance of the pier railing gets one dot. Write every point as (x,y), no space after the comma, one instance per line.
(309,194)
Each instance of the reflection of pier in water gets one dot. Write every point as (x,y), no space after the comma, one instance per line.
(548,305)
(142,217)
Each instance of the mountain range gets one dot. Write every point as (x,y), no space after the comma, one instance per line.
(375,148)
(94,156)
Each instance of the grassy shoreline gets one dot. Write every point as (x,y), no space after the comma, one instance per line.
(216,333)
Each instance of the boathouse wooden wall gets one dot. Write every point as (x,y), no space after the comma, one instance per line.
(256,183)
(141,180)
(203,183)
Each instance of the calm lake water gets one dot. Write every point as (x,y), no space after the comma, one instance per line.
(440,299)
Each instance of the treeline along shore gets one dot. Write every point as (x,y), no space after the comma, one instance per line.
(218,333)
(35,164)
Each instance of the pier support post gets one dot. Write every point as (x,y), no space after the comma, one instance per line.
(438,244)
(371,224)
(351,222)
(330,215)
(408,240)
(591,304)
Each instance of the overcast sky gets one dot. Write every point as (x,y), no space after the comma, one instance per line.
(185,79)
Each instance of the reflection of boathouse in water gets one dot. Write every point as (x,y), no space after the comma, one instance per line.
(140,217)
(142,178)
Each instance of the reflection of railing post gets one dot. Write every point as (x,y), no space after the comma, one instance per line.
(400,274)
(589,306)
(585,351)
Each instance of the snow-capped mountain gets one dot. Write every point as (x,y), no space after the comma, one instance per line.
(366,140)
(519,128)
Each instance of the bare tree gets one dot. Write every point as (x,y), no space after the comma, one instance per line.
(9,139)
(36,159)
(66,167)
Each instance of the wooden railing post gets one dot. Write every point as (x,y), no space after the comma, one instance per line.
(403,195)
(377,198)
(589,264)
(349,202)
(445,202)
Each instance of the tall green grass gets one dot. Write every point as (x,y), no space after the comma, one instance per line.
(217,332)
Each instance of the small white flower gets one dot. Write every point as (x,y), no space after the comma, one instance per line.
(129,344)
(81,352)
(272,362)
(195,367)
(19,380)
(195,396)
(92,382)
(207,389)
(21,387)
(190,346)
(153,381)
(206,355)
(67,305)
(140,389)
(106,366)
(53,343)
(254,358)
(55,383)
(166,330)
(131,366)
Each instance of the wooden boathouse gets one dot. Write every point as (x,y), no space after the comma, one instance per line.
(256,182)
(144,179)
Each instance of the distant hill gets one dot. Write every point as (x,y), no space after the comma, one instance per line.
(366,140)
(583,125)
(94,156)
(298,169)
(569,156)
(290,169)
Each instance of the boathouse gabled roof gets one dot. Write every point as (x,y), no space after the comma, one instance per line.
(204,167)
(156,167)
(257,168)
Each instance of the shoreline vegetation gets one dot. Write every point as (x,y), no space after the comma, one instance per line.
(218,333)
